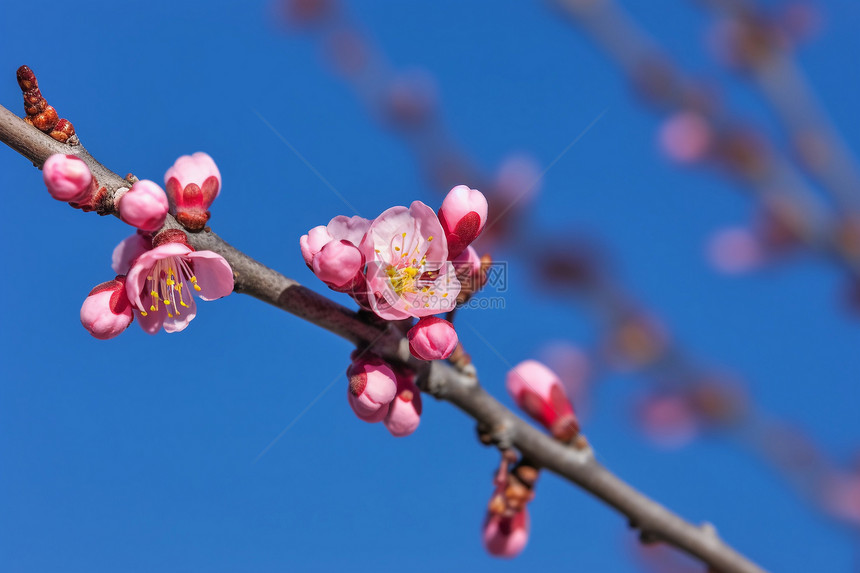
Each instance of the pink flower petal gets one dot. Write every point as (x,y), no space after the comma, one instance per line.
(214,275)
(179,321)
(136,280)
(153,321)
(350,229)
(127,251)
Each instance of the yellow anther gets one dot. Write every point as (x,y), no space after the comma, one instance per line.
(430,238)
(444,295)
(183,304)
(143,313)
(197,287)
(152,308)
(396,248)
(170,315)
(166,301)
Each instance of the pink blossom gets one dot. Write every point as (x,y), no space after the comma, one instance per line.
(432,338)
(128,250)
(161,282)
(144,206)
(463,216)
(840,495)
(517,180)
(67,177)
(408,272)
(668,420)
(506,536)
(468,267)
(312,243)
(686,137)
(538,391)
(372,387)
(192,183)
(404,413)
(352,229)
(735,250)
(341,228)
(106,312)
(339,265)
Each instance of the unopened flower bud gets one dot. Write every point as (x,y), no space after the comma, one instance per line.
(539,392)
(144,206)
(463,216)
(506,536)
(338,263)
(432,338)
(372,387)
(468,267)
(192,184)
(312,243)
(106,312)
(67,177)
(404,414)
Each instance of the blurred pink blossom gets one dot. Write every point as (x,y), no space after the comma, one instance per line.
(685,137)
(735,250)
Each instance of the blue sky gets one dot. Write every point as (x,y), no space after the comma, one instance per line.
(138,454)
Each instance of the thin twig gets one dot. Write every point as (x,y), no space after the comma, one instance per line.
(442,380)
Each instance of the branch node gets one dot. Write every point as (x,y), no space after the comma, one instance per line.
(499,435)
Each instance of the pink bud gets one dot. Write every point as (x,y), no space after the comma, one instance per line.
(144,206)
(106,312)
(404,414)
(506,536)
(192,184)
(338,263)
(372,387)
(313,242)
(432,338)
(538,391)
(67,177)
(463,216)
(467,265)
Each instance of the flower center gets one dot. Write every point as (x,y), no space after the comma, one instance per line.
(165,281)
(408,274)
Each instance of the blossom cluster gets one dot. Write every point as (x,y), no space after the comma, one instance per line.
(540,393)
(158,273)
(406,264)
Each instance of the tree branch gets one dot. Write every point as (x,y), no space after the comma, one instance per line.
(460,386)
